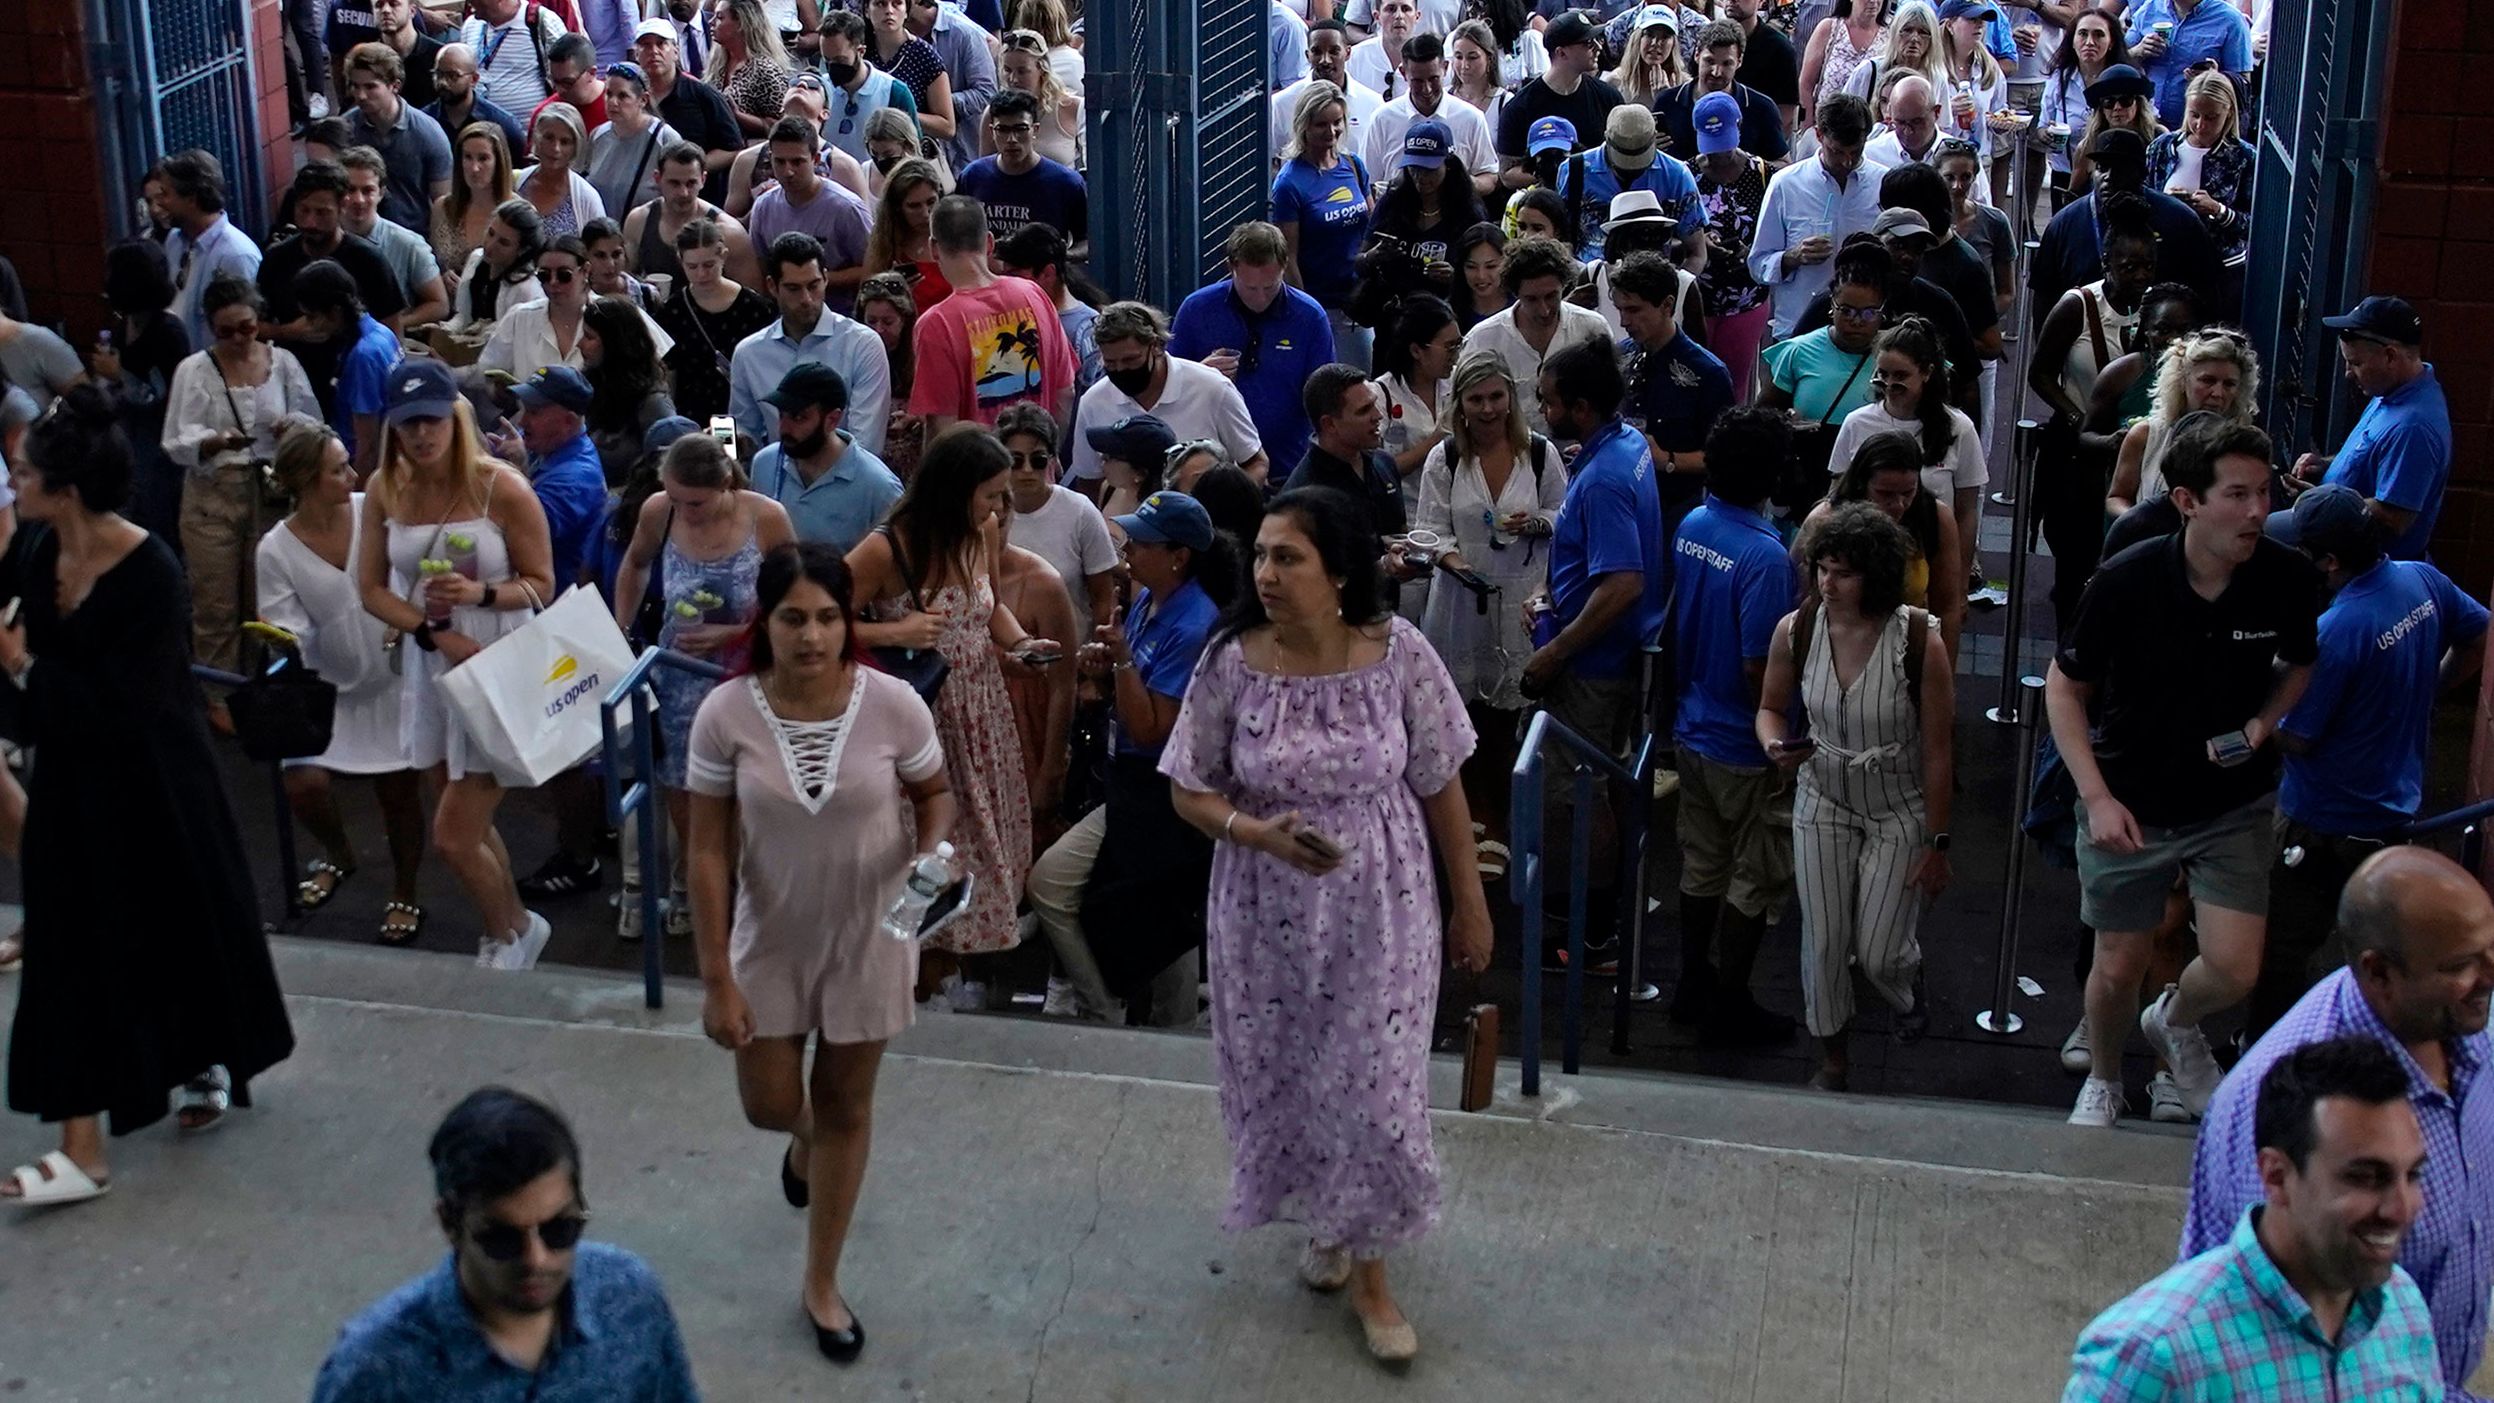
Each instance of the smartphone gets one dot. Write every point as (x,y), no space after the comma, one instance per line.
(1790,744)
(723,428)
(2230,749)
(1318,843)
(1040,657)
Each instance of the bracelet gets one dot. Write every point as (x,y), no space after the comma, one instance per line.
(1225,827)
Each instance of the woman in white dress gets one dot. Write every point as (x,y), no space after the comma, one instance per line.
(438,497)
(307,587)
(1491,490)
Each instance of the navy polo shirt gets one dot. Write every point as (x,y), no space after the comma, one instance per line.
(2368,712)
(570,484)
(1732,584)
(2400,453)
(1675,393)
(1277,352)
(1611,522)
(1762,122)
(1166,643)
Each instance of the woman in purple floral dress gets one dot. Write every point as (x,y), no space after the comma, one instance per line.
(1319,743)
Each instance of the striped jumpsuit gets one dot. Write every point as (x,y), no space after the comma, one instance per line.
(1858,829)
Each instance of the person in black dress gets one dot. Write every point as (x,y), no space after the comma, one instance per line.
(130,990)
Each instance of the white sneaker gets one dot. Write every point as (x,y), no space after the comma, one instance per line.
(628,913)
(2165,1101)
(521,954)
(2077,1055)
(1060,1002)
(2185,1049)
(969,996)
(679,915)
(487,950)
(2099,1104)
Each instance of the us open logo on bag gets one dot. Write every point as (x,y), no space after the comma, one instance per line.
(564,667)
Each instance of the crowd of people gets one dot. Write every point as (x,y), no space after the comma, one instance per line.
(1202,638)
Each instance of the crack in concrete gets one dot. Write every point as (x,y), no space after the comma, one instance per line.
(1099,1207)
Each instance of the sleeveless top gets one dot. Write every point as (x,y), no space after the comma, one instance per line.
(1869,755)
(1841,59)
(2103,338)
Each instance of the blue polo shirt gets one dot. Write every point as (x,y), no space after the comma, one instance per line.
(2215,30)
(1331,209)
(2368,712)
(1277,354)
(1733,583)
(570,484)
(364,376)
(2400,453)
(1166,644)
(1610,523)
(1675,393)
(614,1338)
(1588,185)
(850,499)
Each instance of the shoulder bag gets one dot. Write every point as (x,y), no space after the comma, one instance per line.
(924,669)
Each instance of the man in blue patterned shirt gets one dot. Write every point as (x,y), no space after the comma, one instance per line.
(522,1309)
(2306,1301)
(2419,935)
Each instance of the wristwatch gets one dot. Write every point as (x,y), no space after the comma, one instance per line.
(423,634)
(488,601)
(1937,842)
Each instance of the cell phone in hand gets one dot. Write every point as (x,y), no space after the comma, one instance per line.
(1318,843)
(1792,744)
(2230,749)
(8,615)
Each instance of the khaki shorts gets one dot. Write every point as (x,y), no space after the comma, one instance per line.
(2225,860)
(1736,835)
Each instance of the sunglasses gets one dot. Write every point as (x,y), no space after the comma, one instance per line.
(1027,41)
(237,331)
(561,275)
(502,1242)
(848,119)
(1036,458)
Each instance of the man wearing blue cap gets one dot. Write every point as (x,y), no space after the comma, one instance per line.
(2399,455)
(1760,123)
(1569,90)
(1117,876)
(563,464)
(834,489)
(1424,99)
(1628,159)
(2396,635)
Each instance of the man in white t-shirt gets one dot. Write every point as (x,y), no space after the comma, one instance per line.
(1139,376)
(1377,61)
(1424,78)
(1060,525)
(1329,48)
(511,39)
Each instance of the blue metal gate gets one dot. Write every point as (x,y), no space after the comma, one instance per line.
(2312,204)
(1176,95)
(171,77)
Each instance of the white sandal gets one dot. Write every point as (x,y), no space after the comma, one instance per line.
(1492,857)
(67,1184)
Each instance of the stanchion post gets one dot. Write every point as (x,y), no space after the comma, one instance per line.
(2022,464)
(2013,365)
(2001,1017)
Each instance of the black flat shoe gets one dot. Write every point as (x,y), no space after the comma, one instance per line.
(792,1186)
(838,1346)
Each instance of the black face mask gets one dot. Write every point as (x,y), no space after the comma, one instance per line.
(1133,382)
(841,74)
(886,163)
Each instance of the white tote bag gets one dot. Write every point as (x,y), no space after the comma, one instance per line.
(529,700)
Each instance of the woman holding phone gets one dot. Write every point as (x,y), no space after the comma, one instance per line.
(1318,746)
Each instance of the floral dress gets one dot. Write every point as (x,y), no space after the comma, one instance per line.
(983,755)
(698,591)
(1731,211)
(1324,989)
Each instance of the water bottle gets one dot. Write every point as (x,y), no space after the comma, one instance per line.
(927,878)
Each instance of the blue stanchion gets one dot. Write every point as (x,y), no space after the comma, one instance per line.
(632,792)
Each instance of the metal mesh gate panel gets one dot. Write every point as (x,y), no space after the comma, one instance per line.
(1176,101)
(173,76)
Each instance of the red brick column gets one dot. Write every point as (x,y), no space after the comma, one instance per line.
(52,224)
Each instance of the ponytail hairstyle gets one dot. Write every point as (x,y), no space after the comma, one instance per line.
(1914,338)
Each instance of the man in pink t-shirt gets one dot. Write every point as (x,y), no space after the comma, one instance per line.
(995,342)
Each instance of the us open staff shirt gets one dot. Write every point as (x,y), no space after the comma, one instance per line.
(2171,671)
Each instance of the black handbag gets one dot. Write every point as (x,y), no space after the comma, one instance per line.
(924,669)
(284,711)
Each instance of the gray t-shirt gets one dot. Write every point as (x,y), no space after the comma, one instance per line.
(1070,534)
(409,254)
(36,360)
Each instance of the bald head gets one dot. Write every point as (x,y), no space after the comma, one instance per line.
(1914,113)
(2419,933)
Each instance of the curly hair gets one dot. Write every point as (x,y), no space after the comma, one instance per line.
(2173,371)
(1861,535)
(1529,258)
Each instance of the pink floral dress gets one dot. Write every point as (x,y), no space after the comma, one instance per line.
(983,757)
(1324,988)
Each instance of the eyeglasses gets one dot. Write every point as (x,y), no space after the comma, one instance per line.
(1028,41)
(504,1242)
(1858,314)
(1012,129)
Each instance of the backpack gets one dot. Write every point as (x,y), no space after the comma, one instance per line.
(530,15)
(1917,629)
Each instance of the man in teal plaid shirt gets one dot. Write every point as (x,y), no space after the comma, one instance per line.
(2307,1300)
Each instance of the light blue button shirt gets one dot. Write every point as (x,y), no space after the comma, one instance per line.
(846,346)
(851,498)
(1802,201)
(220,248)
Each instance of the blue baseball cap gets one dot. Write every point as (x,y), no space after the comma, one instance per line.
(1966,9)
(1426,143)
(558,385)
(2383,319)
(1138,439)
(2329,519)
(1717,118)
(1168,519)
(1550,134)
(420,388)
(657,437)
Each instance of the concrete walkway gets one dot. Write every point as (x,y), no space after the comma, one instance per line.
(1039,1222)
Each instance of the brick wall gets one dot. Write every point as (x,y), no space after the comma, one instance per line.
(2434,243)
(268,56)
(52,223)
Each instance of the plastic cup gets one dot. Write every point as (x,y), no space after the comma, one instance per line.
(1422,547)
(661,286)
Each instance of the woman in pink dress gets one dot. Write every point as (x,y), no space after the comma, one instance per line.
(809,777)
(1319,745)
(932,569)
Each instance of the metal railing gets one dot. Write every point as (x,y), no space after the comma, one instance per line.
(287,878)
(1525,882)
(2469,819)
(632,792)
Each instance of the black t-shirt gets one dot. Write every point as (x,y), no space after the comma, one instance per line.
(1769,64)
(700,114)
(2148,521)
(374,278)
(417,87)
(1956,269)
(1588,109)
(2172,671)
(1921,298)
